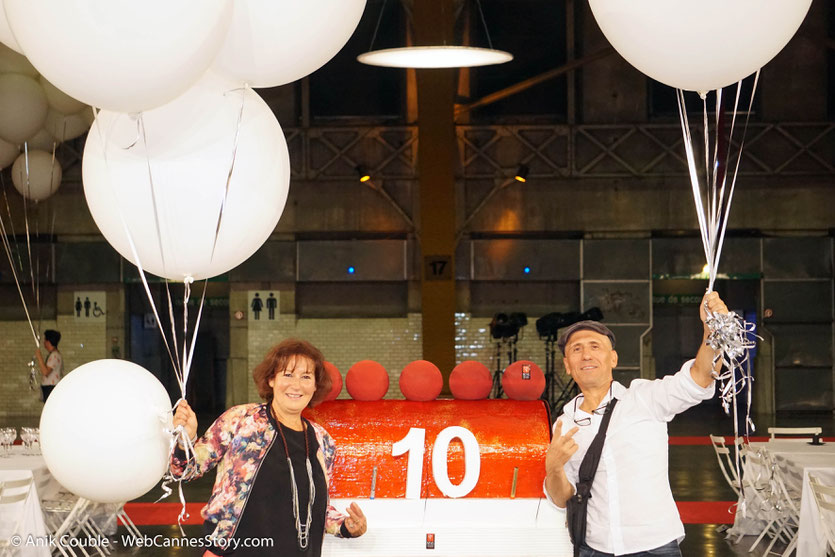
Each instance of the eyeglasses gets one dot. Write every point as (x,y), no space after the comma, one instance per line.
(600,410)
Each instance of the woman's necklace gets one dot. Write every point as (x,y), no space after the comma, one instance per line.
(302,530)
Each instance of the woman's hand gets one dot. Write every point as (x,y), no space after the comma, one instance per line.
(185,416)
(355,523)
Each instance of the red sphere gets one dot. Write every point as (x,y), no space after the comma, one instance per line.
(421,381)
(367,380)
(336,381)
(470,380)
(523,380)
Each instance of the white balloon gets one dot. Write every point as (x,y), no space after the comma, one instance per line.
(68,126)
(42,177)
(14,62)
(273,42)
(42,141)
(59,100)
(6,36)
(190,144)
(104,431)
(699,46)
(8,153)
(22,107)
(122,55)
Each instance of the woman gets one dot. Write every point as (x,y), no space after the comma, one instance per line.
(273,464)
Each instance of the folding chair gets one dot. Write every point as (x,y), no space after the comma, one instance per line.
(727,462)
(794,432)
(825,499)
(13,492)
(785,517)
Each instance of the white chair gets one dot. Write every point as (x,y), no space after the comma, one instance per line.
(13,492)
(727,462)
(785,511)
(794,432)
(825,499)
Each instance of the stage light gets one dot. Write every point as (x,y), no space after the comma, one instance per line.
(522,173)
(362,172)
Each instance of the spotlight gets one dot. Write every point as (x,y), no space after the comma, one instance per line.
(504,326)
(362,172)
(522,173)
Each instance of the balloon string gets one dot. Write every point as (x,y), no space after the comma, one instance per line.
(141,121)
(244,91)
(8,248)
(11,223)
(104,142)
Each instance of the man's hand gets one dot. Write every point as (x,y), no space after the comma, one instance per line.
(560,450)
(714,303)
(703,367)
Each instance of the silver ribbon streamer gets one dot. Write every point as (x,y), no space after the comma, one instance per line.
(729,334)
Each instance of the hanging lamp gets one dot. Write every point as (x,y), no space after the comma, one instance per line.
(434,56)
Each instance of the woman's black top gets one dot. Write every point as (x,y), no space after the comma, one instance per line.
(269,509)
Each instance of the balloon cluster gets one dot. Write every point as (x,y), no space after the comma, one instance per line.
(35,117)
(186,169)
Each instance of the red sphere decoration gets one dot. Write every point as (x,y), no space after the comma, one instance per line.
(336,381)
(470,380)
(367,380)
(421,381)
(523,380)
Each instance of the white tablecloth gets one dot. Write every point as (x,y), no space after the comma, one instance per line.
(28,511)
(801,459)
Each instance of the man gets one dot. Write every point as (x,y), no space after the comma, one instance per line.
(631,510)
(53,368)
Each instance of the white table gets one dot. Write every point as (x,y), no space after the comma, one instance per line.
(802,459)
(17,467)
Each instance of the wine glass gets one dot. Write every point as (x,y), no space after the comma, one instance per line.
(26,437)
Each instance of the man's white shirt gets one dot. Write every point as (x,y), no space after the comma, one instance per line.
(631,507)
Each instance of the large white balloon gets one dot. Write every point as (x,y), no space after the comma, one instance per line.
(22,107)
(14,62)
(699,46)
(190,146)
(68,126)
(8,153)
(122,55)
(6,36)
(40,178)
(104,431)
(273,42)
(59,100)
(43,140)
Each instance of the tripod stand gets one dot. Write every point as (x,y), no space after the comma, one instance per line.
(557,391)
(509,344)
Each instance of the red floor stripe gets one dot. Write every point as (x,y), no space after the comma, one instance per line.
(707,512)
(152,514)
(705,440)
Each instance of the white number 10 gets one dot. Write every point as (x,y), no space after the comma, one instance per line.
(414,444)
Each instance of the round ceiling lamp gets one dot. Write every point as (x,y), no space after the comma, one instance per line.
(435,57)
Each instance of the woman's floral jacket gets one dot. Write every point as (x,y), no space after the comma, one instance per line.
(237,443)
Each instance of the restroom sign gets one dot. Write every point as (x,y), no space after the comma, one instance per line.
(90,305)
